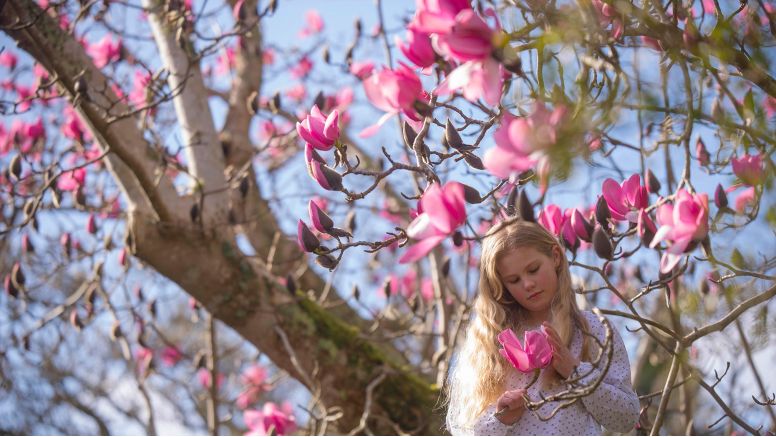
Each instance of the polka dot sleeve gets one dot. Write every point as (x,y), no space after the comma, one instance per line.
(486,424)
(614,404)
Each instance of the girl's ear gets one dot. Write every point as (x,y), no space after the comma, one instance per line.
(556,254)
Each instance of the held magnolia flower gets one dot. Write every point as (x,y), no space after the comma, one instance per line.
(682,223)
(319,131)
(442,211)
(536,353)
(749,168)
(626,199)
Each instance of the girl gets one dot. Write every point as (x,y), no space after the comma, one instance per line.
(525,284)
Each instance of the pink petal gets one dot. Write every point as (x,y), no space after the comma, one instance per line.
(421,249)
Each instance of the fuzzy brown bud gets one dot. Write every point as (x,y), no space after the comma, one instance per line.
(602,244)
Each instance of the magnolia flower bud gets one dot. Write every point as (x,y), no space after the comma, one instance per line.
(701,154)
(720,197)
(409,134)
(10,288)
(321,221)
(474,161)
(16,167)
(512,200)
(194,212)
(326,261)
(91,226)
(602,213)
(308,242)
(275,104)
(458,239)
(244,186)
(17,276)
(445,267)
(471,194)
(350,221)
(253,103)
(452,138)
(525,207)
(290,284)
(602,244)
(652,182)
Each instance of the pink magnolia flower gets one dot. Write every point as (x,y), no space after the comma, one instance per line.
(443,210)
(626,199)
(73,128)
(314,24)
(682,223)
(477,80)
(608,15)
(72,180)
(521,142)
(255,380)
(559,223)
(362,70)
(105,51)
(143,357)
(226,61)
(746,198)
(701,153)
(268,56)
(278,420)
(437,16)
(645,227)
(581,226)
(536,354)
(139,96)
(8,60)
(321,221)
(171,355)
(749,168)
(393,91)
(203,376)
(418,48)
(319,131)
(468,39)
(296,92)
(302,68)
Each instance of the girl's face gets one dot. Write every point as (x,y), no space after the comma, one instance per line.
(530,277)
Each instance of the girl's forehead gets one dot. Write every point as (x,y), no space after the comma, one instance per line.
(518,257)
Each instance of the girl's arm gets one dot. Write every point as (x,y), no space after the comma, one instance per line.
(486,424)
(613,404)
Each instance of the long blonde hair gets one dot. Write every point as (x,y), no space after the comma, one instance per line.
(479,375)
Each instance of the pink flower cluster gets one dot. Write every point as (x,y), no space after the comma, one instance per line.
(570,224)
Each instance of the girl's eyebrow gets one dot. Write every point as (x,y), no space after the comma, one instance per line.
(527,266)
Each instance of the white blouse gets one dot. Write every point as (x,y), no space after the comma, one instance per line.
(613,405)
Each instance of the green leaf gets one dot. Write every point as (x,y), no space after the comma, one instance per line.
(737,258)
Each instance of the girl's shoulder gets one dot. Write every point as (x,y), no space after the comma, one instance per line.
(596,326)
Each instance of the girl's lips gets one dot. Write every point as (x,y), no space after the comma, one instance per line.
(534,295)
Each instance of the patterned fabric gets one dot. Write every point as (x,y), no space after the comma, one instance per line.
(613,405)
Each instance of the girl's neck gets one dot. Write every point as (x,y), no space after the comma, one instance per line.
(534,319)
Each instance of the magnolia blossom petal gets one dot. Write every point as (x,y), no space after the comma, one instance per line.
(421,249)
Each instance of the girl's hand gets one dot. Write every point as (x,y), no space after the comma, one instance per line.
(510,406)
(563,361)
